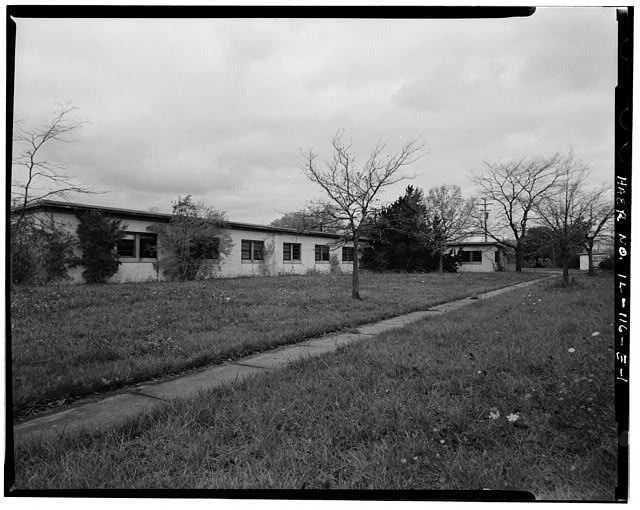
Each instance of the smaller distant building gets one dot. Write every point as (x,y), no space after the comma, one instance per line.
(480,256)
(597,258)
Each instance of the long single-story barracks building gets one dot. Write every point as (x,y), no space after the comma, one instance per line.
(256,250)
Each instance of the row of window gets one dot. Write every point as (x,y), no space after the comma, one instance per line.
(254,251)
(145,246)
(322,253)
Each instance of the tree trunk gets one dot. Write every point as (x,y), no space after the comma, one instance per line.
(519,257)
(440,262)
(590,256)
(565,255)
(565,271)
(355,280)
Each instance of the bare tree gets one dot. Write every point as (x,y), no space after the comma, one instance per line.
(564,210)
(451,217)
(516,187)
(352,187)
(322,217)
(598,213)
(35,178)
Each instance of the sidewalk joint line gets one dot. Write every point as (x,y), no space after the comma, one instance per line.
(246,365)
(143,394)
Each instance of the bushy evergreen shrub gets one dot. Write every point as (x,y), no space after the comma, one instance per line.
(97,238)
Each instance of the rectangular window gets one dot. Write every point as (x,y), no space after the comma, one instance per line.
(471,256)
(148,246)
(252,250)
(246,250)
(290,251)
(258,248)
(347,254)
(322,253)
(126,247)
(138,246)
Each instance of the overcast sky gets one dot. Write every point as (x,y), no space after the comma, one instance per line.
(221,108)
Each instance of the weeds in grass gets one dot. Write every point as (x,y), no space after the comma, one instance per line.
(69,341)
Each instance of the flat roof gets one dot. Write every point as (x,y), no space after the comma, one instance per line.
(474,243)
(72,207)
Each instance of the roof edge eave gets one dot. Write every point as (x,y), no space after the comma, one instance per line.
(60,206)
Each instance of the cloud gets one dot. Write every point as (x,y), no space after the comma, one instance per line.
(221,108)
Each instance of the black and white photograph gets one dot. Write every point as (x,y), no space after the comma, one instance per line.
(317,253)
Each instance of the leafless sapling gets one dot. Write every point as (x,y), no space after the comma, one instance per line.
(352,187)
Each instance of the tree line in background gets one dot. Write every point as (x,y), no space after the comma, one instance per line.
(411,234)
(541,206)
(554,194)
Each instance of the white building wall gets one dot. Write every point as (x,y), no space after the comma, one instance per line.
(233,265)
(488,263)
(584,262)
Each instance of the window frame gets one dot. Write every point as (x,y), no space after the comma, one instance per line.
(127,237)
(318,253)
(472,257)
(345,251)
(136,237)
(252,251)
(139,245)
(289,249)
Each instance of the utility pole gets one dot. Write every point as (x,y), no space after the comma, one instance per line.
(485,216)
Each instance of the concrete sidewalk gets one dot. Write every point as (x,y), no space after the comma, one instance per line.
(145,397)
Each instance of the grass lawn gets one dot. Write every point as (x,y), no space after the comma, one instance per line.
(70,341)
(509,393)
